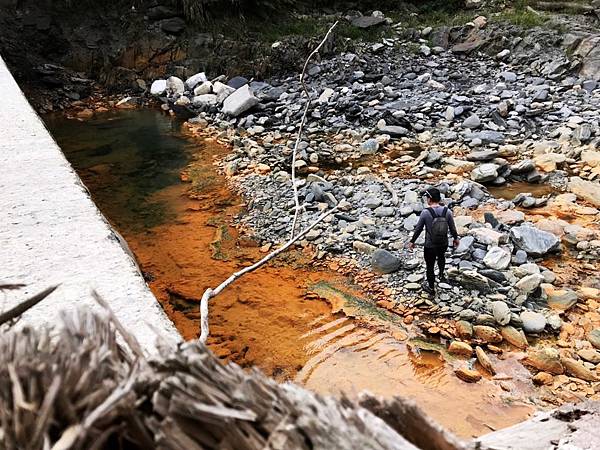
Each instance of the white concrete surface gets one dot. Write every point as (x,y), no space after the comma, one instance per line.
(51,231)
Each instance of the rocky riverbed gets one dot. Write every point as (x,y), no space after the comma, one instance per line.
(427,107)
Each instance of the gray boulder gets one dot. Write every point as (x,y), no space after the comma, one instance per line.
(534,241)
(485,173)
(497,258)
(383,261)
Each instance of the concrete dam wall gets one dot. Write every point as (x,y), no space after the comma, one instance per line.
(51,232)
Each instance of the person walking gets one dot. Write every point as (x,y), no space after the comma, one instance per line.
(438,222)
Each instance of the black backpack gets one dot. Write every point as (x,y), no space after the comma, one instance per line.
(439,228)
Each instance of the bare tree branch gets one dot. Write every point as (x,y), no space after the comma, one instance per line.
(298,207)
(210,293)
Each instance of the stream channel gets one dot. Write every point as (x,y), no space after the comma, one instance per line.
(159,187)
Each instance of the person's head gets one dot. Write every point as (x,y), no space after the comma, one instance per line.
(433,196)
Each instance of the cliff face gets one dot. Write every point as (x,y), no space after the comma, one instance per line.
(117,45)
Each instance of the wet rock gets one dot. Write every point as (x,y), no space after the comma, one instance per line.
(383,261)
(239,102)
(559,299)
(487,334)
(534,241)
(514,337)
(533,322)
(594,337)
(460,348)
(546,359)
(578,370)
(468,375)
(484,360)
(497,258)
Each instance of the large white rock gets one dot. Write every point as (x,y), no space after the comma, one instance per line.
(487,236)
(203,88)
(204,100)
(534,241)
(222,90)
(195,80)
(586,190)
(158,87)
(175,86)
(240,101)
(497,258)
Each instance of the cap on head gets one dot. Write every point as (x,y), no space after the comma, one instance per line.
(433,194)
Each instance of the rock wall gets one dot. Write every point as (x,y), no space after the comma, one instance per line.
(52,233)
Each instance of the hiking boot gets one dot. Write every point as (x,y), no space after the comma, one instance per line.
(443,278)
(427,288)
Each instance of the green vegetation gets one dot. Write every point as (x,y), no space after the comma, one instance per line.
(519,14)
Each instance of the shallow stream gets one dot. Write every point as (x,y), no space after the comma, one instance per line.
(159,188)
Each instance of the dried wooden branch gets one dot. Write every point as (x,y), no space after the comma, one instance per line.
(210,293)
(298,207)
(24,306)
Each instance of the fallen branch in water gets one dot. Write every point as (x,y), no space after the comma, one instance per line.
(298,207)
(210,293)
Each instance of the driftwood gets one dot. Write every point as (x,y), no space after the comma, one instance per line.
(210,293)
(298,207)
(77,388)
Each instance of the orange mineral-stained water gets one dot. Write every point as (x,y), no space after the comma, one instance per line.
(160,189)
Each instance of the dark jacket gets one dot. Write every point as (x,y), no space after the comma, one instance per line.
(426,220)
